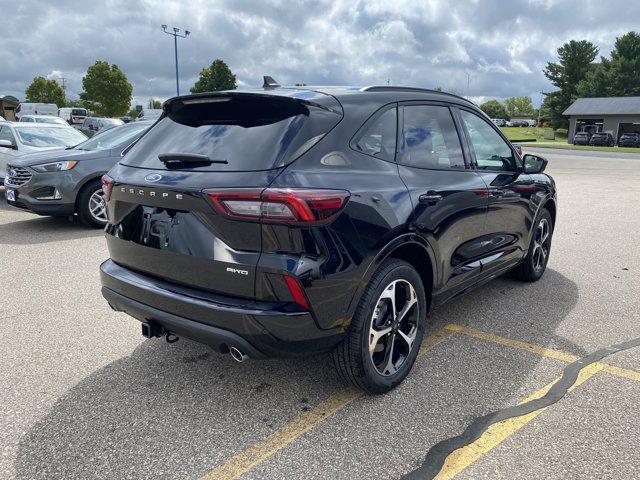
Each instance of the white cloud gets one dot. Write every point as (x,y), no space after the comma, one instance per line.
(502,45)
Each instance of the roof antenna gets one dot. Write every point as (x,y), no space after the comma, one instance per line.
(269,82)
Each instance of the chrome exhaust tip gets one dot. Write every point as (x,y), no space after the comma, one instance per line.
(237,355)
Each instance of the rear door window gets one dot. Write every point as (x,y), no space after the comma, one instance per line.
(242,132)
(430,139)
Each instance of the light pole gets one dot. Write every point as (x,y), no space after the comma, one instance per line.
(176,34)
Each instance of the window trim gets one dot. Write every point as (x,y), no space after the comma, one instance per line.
(372,118)
(430,103)
(472,152)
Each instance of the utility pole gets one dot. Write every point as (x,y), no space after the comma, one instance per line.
(176,34)
(64,85)
(468,81)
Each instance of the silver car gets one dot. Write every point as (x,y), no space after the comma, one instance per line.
(67,181)
(17,139)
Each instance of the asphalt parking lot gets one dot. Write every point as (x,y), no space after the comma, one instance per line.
(84,395)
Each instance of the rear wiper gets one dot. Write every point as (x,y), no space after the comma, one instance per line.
(188,160)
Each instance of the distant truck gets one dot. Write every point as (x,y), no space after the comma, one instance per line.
(73,116)
(36,109)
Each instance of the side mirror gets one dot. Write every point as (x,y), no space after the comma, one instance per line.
(534,163)
(7,144)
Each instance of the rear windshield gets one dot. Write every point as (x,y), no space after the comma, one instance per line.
(241,132)
(80,112)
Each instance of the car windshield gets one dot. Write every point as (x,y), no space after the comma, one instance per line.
(110,122)
(113,137)
(79,112)
(50,120)
(44,137)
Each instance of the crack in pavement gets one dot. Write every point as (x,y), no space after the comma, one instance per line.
(437,455)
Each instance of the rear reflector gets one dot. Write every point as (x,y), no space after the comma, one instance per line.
(107,186)
(296,290)
(297,206)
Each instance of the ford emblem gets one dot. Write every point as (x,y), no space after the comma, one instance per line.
(153,177)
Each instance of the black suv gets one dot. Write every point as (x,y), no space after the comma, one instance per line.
(629,140)
(284,221)
(602,139)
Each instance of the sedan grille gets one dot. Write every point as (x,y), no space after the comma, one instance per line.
(17,176)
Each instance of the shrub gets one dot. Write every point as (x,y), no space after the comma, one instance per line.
(562,132)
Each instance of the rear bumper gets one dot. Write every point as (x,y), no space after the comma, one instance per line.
(260,329)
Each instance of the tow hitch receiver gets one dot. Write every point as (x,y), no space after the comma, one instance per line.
(151,330)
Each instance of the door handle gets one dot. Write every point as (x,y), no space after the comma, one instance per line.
(497,193)
(430,197)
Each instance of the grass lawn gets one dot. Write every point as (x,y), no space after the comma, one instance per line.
(584,147)
(527,133)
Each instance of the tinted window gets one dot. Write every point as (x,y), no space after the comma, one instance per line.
(378,138)
(491,151)
(430,139)
(249,132)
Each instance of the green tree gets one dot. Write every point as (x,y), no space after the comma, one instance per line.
(216,77)
(154,103)
(76,102)
(133,113)
(42,90)
(618,76)
(574,62)
(494,109)
(106,90)
(519,106)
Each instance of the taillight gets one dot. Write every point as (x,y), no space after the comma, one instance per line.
(107,186)
(274,205)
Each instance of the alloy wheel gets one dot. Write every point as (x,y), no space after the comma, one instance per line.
(541,244)
(97,207)
(394,326)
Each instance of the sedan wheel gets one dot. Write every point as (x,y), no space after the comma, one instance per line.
(97,207)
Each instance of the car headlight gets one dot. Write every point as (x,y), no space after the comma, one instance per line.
(55,166)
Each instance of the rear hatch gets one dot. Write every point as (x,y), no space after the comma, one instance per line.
(161,222)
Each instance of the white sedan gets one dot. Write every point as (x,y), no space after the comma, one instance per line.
(17,139)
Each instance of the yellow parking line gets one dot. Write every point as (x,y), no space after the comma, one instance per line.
(490,337)
(263,449)
(539,350)
(497,433)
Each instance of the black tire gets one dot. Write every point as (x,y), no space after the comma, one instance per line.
(533,266)
(352,357)
(83,207)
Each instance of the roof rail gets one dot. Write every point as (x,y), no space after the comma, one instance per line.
(390,88)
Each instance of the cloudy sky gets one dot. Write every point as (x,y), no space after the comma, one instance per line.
(500,46)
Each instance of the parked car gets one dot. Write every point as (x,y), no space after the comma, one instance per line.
(36,109)
(602,139)
(42,119)
(64,182)
(582,138)
(92,125)
(17,139)
(150,114)
(281,221)
(629,140)
(500,122)
(73,116)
